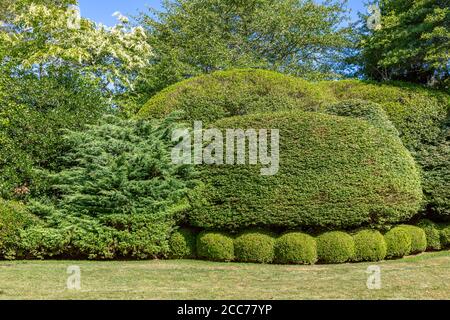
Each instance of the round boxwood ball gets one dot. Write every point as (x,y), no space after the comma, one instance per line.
(335,247)
(215,246)
(254,246)
(183,244)
(296,248)
(369,246)
(398,242)
(418,238)
(432,233)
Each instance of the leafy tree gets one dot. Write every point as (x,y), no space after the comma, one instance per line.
(191,37)
(413,43)
(33,111)
(46,33)
(56,75)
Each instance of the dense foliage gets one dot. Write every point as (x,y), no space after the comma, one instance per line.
(215,246)
(335,247)
(183,244)
(398,242)
(381,183)
(432,234)
(369,246)
(419,115)
(295,248)
(117,193)
(418,238)
(191,37)
(254,246)
(412,43)
(33,112)
(14,217)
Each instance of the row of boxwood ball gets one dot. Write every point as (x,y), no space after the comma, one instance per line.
(300,248)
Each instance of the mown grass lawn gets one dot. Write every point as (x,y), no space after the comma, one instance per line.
(426,276)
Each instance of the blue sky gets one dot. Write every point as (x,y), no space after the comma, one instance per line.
(102,10)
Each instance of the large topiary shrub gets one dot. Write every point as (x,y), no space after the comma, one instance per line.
(365,110)
(254,246)
(335,247)
(334,172)
(183,244)
(369,246)
(230,93)
(432,233)
(418,238)
(296,248)
(215,246)
(398,242)
(419,114)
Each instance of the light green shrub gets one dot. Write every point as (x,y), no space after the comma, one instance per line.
(432,233)
(215,246)
(296,248)
(335,247)
(418,238)
(254,246)
(398,243)
(369,246)
(183,244)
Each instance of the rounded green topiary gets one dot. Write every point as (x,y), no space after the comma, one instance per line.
(419,114)
(364,110)
(380,184)
(296,248)
(398,243)
(215,246)
(369,246)
(335,247)
(254,246)
(432,233)
(418,238)
(183,244)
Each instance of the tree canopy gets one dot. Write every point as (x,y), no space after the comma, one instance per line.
(413,43)
(190,37)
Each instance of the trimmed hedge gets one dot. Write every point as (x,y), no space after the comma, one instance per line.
(364,110)
(254,246)
(215,246)
(432,233)
(335,247)
(369,246)
(398,242)
(183,244)
(230,93)
(418,238)
(335,173)
(419,114)
(296,248)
